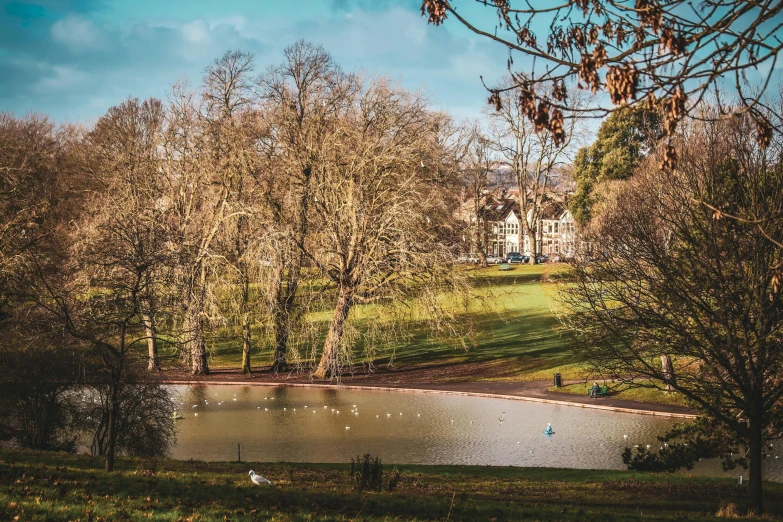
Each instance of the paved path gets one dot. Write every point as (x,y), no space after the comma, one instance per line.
(539,390)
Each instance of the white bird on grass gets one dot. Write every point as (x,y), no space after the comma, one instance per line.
(258,479)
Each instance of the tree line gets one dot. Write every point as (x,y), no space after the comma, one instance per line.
(245,205)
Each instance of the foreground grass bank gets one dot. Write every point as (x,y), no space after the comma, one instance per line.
(47,486)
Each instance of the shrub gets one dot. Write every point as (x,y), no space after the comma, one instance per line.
(394,479)
(367,473)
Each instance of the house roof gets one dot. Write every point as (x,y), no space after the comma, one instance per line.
(498,205)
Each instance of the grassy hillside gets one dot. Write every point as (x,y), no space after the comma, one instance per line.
(514,332)
(45,486)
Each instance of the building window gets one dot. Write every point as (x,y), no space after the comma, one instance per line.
(556,226)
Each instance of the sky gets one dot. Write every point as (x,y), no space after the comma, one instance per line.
(73,59)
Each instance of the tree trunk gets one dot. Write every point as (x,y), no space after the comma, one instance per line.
(111,434)
(194,343)
(246,345)
(148,318)
(284,308)
(328,364)
(246,369)
(192,339)
(281,342)
(533,240)
(668,371)
(284,303)
(756,450)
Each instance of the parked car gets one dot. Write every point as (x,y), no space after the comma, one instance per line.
(517,257)
(494,260)
(542,258)
(468,258)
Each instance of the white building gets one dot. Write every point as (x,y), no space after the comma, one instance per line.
(555,233)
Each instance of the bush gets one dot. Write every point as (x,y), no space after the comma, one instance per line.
(394,479)
(145,427)
(367,473)
(36,397)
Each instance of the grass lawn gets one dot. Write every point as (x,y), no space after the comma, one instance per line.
(49,486)
(515,332)
(623,391)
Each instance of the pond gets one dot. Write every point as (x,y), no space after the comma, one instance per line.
(286,424)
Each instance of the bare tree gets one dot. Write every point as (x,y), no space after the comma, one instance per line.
(229,98)
(29,152)
(302,96)
(42,192)
(535,158)
(96,297)
(668,54)
(678,277)
(378,211)
(125,143)
(205,164)
(477,178)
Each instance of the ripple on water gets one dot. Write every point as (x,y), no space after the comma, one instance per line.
(410,428)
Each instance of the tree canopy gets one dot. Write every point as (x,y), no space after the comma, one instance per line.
(677,276)
(623,140)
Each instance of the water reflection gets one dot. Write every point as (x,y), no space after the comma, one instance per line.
(330,425)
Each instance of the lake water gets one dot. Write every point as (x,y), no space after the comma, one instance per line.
(285,424)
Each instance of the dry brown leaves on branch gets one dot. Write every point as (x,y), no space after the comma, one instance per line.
(588,73)
(494,99)
(435,10)
(673,109)
(675,51)
(669,157)
(764,130)
(541,120)
(621,83)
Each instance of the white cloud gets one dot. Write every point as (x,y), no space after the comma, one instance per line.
(77,33)
(62,78)
(195,32)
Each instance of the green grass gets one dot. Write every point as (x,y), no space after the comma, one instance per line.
(48,486)
(516,337)
(623,391)
(515,334)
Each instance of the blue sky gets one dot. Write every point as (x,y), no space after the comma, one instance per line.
(73,59)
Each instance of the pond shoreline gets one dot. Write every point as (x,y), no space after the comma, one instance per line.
(531,391)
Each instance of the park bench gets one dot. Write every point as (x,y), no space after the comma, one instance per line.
(602,391)
(505,266)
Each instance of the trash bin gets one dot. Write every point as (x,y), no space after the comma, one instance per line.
(558,381)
